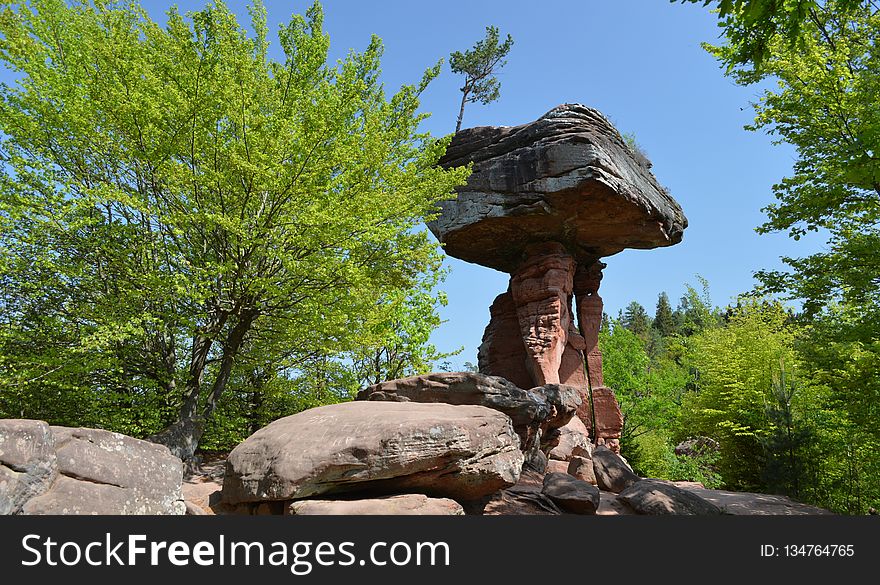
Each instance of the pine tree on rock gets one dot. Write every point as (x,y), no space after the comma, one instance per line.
(479,65)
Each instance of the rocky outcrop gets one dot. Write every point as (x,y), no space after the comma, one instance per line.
(527,410)
(402,505)
(600,408)
(536,413)
(566,177)
(612,472)
(570,494)
(462,452)
(545,201)
(60,470)
(657,497)
(541,288)
(695,446)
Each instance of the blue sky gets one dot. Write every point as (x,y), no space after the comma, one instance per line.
(637,61)
(640,63)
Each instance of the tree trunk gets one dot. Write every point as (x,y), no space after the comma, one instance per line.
(182,436)
(464,94)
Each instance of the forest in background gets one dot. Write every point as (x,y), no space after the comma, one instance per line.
(200,239)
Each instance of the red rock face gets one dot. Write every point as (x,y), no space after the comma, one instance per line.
(609,420)
(502,352)
(532,338)
(541,290)
(589,308)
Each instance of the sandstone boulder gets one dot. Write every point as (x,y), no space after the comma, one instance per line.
(657,497)
(60,470)
(526,409)
(462,452)
(28,465)
(564,402)
(612,472)
(570,494)
(582,469)
(402,505)
(567,177)
(556,466)
(574,441)
(523,499)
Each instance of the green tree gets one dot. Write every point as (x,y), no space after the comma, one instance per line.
(737,368)
(823,61)
(403,345)
(695,312)
(649,389)
(479,65)
(174,198)
(636,319)
(753,28)
(664,320)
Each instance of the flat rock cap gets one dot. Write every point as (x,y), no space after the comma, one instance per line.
(567,177)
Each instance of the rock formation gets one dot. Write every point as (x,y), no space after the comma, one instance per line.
(460,452)
(535,413)
(657,497)
(405,505)
(60,470)
(545,202)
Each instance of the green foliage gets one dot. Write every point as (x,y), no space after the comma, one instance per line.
(175,204)
(648,388)
(636,319)
(754,27)
(657,458)
(664,320)
(695,312)
(822,60)
(737,368)
(479,65)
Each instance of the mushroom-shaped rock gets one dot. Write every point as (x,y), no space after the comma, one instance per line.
(567,177)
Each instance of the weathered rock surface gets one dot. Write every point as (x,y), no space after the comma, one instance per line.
(695,446)
(462,452)
(582,469)
(402,505)
(612,472)
(28,465)
(523,499)
(610,504)
(60,470)
(574,440)
(751,504)
(502,352)
(570,494)
(564,402)
(567,177)
(526,409)
(606,413)
(541,288)
(657,497)
(532,338)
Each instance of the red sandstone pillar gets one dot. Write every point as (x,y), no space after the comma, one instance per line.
(589,310)
(541,289)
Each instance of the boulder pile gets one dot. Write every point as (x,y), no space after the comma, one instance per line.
(440,444)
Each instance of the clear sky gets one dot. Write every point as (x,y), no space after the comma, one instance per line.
(640,63)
